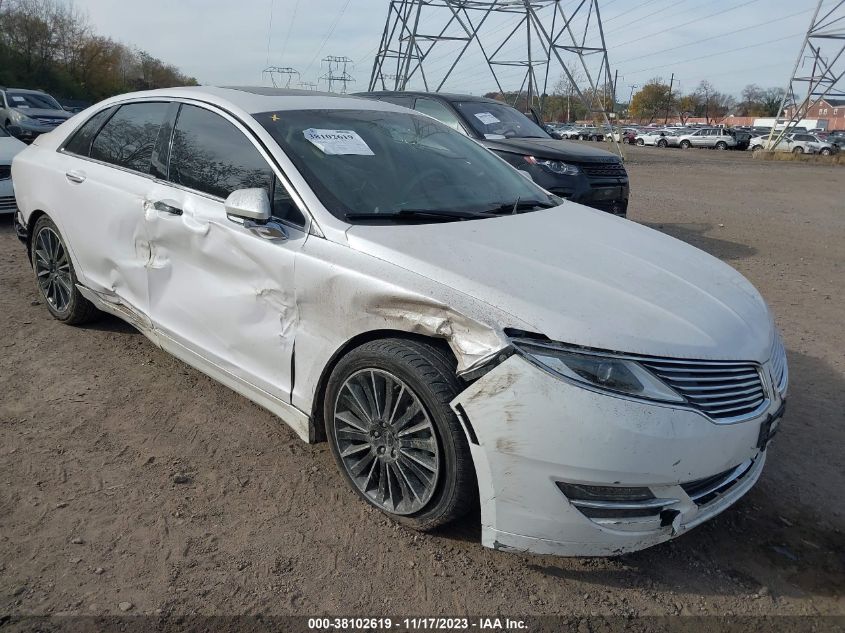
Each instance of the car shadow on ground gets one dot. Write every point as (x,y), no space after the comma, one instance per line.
(780,535)
(697,235)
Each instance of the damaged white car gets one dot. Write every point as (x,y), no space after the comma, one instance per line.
(382,282)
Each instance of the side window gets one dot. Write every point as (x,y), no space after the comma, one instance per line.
(80,142)
(128,139)
(211,155)
(440,112)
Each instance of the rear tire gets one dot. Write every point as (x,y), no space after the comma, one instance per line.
(376,396)
(55,277)
(662,143)
(640,142)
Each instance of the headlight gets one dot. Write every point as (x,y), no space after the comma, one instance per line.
(554,166)
(18,116)
(598,371)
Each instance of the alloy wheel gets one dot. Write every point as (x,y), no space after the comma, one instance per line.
(52,269)
(386,441)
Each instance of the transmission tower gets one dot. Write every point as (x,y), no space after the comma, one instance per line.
(819,70)
(281,77)
(520,43)
(337,72)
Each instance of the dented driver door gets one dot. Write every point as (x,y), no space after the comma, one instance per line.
(221,295)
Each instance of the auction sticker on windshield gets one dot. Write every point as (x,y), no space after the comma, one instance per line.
(338,142)
(486,118)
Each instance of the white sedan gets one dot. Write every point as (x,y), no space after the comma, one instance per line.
(659,138)
(9,148)
(381,282)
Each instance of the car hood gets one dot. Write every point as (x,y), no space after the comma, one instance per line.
(551,148)
(44,112)
(583,277)
(9,146)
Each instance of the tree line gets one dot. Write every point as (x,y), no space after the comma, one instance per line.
(656,101)
(52,46)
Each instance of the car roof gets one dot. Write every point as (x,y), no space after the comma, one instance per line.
(446,96)
(255,99)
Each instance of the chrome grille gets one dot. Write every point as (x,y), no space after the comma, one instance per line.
(703,491)
(722,390)
(7,203)
(780,373)
(5,172)
(598,170)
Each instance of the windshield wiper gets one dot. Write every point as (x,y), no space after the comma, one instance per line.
(520,205)
(419,214)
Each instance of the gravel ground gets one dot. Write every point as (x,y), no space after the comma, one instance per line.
(131,483)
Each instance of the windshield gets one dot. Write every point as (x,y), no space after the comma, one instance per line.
(32,100)
(365,162)
(497,120)
(373,162)
(3,132)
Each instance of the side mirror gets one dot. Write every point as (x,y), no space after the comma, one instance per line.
(248,204)
(15,130)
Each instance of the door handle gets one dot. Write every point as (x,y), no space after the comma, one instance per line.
(75,176)
(166,207)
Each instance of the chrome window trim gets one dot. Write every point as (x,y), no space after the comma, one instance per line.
(311,227)
(766,384)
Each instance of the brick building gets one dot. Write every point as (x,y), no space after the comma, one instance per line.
(830,109)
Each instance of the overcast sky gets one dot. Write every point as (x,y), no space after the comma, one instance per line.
(729,42)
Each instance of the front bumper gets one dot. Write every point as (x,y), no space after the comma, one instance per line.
(534,430)
(31,131)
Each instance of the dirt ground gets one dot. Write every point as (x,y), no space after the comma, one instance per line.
(97,426)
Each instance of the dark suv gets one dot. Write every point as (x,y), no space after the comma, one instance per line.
(589,176)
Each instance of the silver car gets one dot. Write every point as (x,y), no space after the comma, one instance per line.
(790,143)
(29,113)
(713,137)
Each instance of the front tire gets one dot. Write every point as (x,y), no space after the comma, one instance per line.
(55,276)
(640,142)
(721,145)
(662,144)
(798,150)
(825,151)
(685,144)
(393,435)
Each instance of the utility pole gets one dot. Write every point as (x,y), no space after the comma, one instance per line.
(669,102)
(280,76)
(631,98)
(337,72)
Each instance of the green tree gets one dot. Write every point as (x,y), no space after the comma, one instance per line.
(652,101)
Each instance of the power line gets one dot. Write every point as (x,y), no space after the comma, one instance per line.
(713,37)
(290,28)
(328,35)
(269,31)
(678,26)
(726,52)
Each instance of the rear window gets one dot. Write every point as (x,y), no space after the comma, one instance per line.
(80,142)
(129,137)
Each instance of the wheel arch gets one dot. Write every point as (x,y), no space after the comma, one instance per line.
(30,227)
(318,428)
